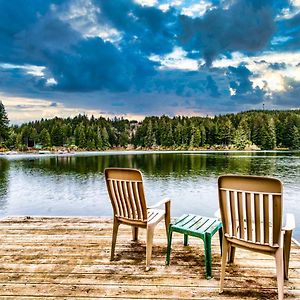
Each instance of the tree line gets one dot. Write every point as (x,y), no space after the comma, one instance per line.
(263,129)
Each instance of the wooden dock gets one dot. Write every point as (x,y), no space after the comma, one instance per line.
(68,258)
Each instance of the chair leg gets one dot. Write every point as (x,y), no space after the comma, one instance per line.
(207,250)
(231,254)
(114,238)
(167,216)
(169,245)
(286,252)
(221,238)
(185,239)
(223,263)
(150,231)
(135,233)
(279,272)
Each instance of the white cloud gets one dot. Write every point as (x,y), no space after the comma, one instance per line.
(277,40)
(176,60)
(29,69)
(263,76)
(146,2)
(51,81)
(290,12)
(270,81)
(232,91)
(197,9)
(20,110)
(295,3)
(82,16)
(164,7)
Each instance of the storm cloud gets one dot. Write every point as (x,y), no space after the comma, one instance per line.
(111,49)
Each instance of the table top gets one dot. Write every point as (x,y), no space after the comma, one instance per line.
(197,225)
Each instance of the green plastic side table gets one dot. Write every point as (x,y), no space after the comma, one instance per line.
(198,226)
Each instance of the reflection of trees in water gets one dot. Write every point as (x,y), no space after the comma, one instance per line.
(72,164)
(157,164)
(4,167)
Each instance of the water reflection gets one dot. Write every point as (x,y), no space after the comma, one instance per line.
(4,181)
(162,164)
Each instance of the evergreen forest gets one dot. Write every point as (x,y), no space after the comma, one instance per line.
(255,129)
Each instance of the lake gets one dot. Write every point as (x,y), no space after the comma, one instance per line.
(74,185)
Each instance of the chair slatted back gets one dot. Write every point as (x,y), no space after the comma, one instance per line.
(126,192)
(251,208)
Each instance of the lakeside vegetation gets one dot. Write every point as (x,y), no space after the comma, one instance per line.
(255,129)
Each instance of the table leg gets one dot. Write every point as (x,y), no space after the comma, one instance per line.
(208,257)
(186,240)
(169,245)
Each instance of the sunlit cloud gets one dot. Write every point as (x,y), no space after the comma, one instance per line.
(82,16)
(21,110)
(147,2)
(270,80)
(29,69)
(176,60)
(197,9)
(51,81)
(291,11)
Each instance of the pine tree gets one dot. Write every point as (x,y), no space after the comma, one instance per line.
(150,136)
(268,135)
(33,135)
(90,138)
(19,141)
(296,139)
(244,124)
(124,138)
(25,133)
(197,137)
(240,138)
(272,134)
(203,135)
(178,135)
(45,138)
(225,132)
(105,138)
(90,145)
(99,144)
(76,134)
(57,135)
(11,141)
(4,129)
(82,137)
(168,135)
(288,132)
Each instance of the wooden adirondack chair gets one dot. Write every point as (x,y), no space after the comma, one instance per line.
(251,212)
(126,192)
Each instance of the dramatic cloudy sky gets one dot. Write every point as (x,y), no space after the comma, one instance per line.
(148,57)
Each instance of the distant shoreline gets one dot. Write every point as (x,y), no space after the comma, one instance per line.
(130,148)
(28,154)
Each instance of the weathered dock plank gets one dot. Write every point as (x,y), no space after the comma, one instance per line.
(68,258)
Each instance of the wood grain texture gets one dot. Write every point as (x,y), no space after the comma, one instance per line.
(69,258)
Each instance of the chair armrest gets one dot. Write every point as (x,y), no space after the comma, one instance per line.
(160,203)
(217,214)
(290,222)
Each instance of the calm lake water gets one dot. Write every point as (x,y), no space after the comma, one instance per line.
(74,185)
